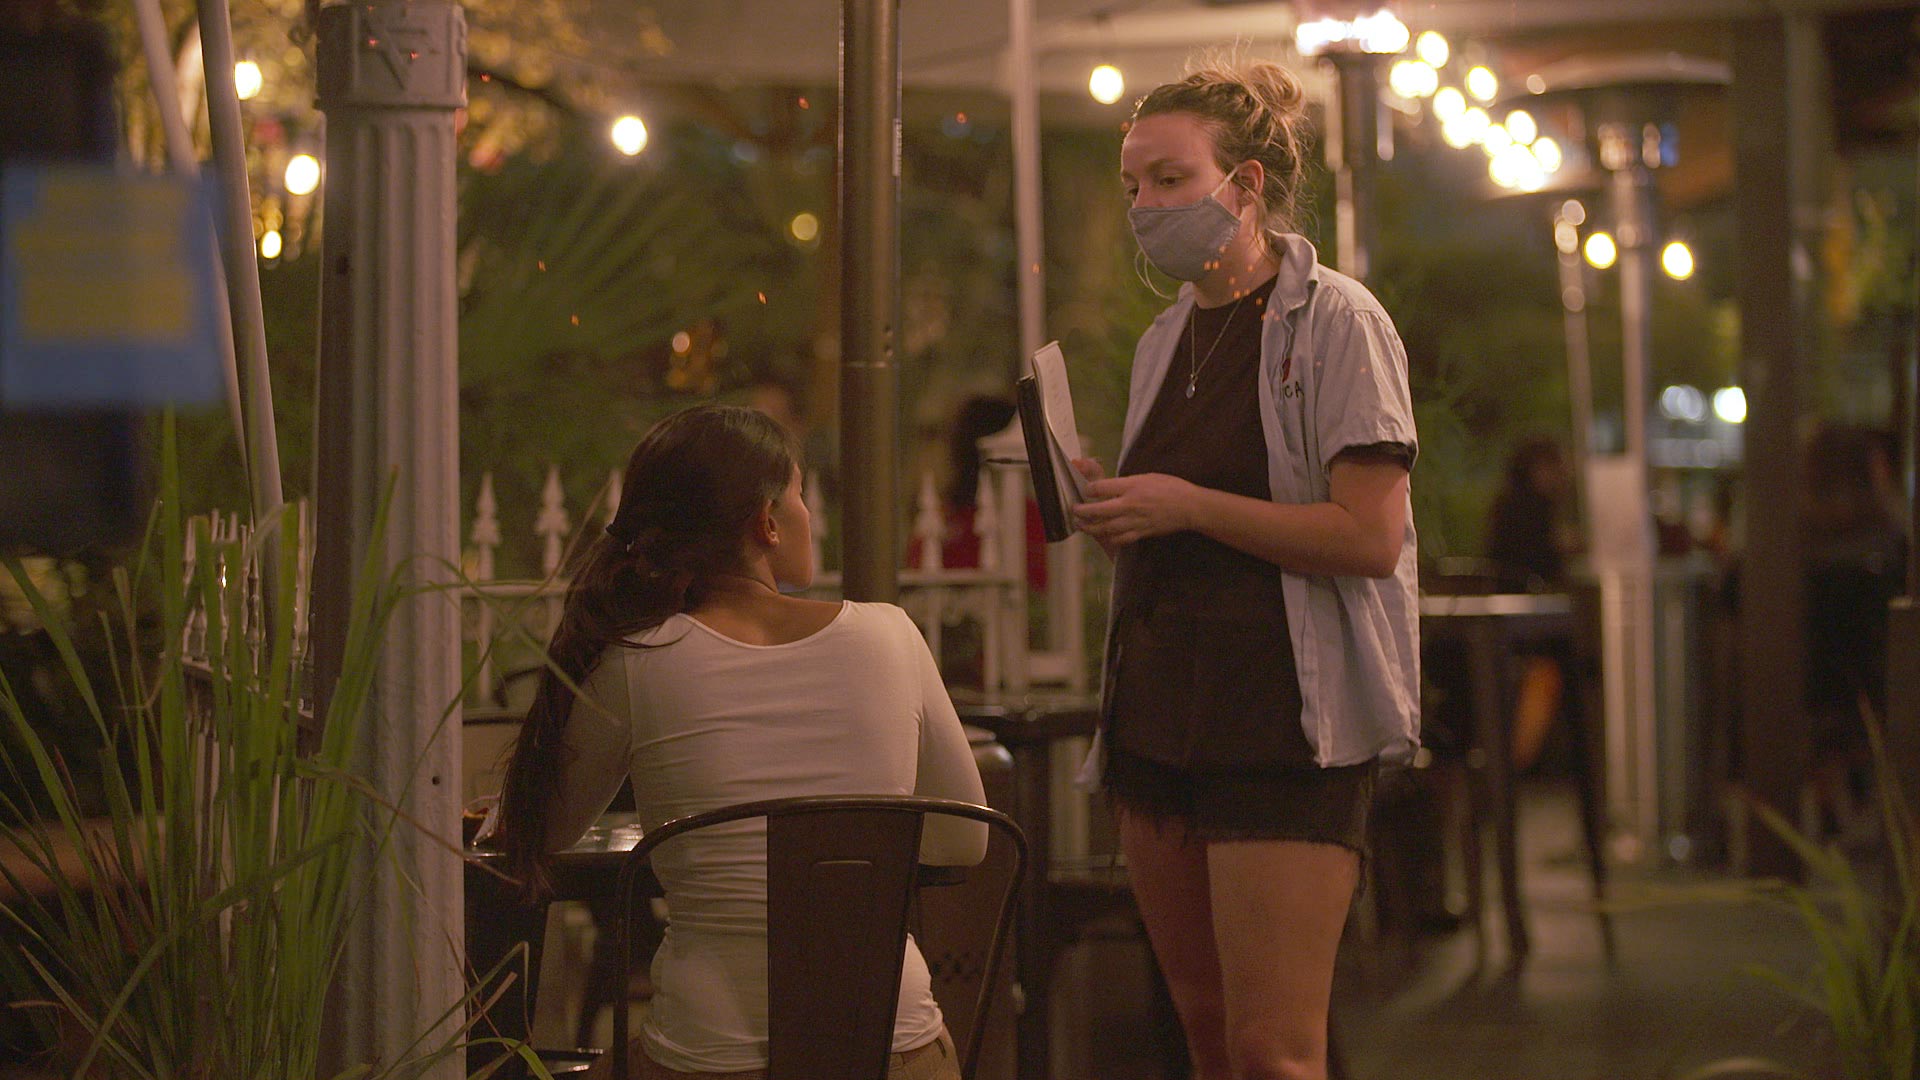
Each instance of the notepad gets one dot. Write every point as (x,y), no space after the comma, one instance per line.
(1045,402)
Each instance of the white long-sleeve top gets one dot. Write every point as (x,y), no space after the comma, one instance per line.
(703,721)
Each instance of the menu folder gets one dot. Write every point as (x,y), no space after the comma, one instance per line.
(1054,502)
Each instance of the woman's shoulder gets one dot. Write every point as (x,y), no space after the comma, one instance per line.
(876,617)
(665,632)
(1340,295)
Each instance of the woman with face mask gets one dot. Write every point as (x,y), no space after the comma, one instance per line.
(1263,655)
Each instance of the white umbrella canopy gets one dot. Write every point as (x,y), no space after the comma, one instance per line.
(961,44)
(944,44)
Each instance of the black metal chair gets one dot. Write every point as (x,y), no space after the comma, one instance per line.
(842,873)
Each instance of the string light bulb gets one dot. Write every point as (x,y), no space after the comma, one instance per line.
(1482,83)
(629,134)
(1106,84)
(1431,46)
(247,80)
(1547,152)
(303,174)
(1521,125)
(1600,250)
(1730,404)
(1413,78)
(1677,260)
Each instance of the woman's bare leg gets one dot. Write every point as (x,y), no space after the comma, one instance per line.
(1278,909)
(1169,880)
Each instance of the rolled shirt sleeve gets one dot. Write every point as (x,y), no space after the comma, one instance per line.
(1363,398)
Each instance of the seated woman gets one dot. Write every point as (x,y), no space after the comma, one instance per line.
(708,686)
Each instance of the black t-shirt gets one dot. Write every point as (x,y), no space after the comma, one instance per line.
(1204,676)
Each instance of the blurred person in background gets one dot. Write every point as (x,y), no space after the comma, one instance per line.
(1529,540)
(1855,558)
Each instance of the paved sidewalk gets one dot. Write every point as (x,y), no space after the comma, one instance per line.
(1680,995)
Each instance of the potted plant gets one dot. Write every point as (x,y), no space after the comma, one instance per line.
(193,928)
(1865,981)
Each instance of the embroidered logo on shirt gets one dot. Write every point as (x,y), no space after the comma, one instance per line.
(1289,388)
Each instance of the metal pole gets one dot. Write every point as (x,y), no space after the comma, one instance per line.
(1573,307)
(869,295)
(181,159)
(1356,143)
(262,447)
(1029,253)
(1625,566)
(391,75)
(1776,745)
(1632,191)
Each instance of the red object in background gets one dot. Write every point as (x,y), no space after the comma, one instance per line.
(961,548)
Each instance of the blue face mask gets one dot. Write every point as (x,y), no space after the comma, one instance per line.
(1184,242)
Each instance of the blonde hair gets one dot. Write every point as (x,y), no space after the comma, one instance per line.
(1255,111)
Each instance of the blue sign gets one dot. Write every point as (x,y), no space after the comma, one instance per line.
(106,289)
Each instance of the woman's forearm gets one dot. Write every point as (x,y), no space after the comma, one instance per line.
(1304,538)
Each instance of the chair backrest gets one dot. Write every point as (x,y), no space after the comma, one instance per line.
(841,875)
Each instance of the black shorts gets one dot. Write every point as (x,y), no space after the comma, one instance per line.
(1290,802)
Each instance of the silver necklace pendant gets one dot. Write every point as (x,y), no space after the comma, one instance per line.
(1193,346)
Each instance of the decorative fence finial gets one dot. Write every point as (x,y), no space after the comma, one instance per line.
(930,524)
(553,525)
(486,529)
(986,521)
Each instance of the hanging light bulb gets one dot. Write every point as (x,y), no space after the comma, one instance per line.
(1106,84)
(1432,47)
(270,244)
(1449,103)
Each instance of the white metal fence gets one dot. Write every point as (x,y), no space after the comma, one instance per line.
(1023,641)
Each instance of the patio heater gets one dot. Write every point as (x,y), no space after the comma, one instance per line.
(1354,39)
(869,215)
(1626,105)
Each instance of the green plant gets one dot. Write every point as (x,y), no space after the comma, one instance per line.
(1866,978)
(193,929)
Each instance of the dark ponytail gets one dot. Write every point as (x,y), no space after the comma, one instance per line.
(693,486)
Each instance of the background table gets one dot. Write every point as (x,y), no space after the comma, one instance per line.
(1028,726)
(1492,627)
(499,918)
